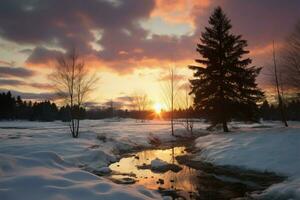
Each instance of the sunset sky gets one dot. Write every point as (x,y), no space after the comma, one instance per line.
(129,44)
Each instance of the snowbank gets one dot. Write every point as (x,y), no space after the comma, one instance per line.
(129,132)
(267,149)
(45,175)
(40,160)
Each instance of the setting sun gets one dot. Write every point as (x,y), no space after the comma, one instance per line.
(157,108)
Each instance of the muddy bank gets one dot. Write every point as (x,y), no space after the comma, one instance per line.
(227,182)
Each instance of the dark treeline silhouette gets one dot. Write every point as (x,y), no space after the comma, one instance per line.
(12,108)
(103,113)
(273,112)
(119,113)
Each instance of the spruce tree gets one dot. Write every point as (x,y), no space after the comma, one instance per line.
(224,85)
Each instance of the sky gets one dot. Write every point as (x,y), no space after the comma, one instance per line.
(129,44)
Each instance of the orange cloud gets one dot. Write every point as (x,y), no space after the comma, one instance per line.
(266,49)
(178,11)
(130,65)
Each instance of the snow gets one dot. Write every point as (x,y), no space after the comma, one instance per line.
(40,160)
(129,132)
(45,176)
(158,164)
(104,170)
(274,149)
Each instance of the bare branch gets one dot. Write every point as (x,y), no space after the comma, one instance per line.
(73,84)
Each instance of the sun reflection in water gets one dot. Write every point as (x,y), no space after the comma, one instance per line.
(185,180)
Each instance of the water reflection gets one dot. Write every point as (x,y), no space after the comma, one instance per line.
(209,182)
(185,180)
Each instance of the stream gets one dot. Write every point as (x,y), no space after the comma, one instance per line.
(190,180)
(184,181)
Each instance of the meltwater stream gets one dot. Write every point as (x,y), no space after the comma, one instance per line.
(188,183)
(184,181)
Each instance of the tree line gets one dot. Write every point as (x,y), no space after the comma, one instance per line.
(12,108)
(273,112)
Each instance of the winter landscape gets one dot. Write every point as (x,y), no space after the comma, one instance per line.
(39,160)
(152,99)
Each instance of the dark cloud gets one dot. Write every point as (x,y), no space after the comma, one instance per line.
(45,86)
(32,96)
(15,72)
(41,55)
(66,23)
(16,82)
(10,82)
(69,23)
(262,21)
(119,102)
(92,105)
(114,104)
(124,99)
(48,22)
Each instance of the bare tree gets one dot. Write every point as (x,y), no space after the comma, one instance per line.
(186,104)
(280,101)
(140,102)
(73,84)
(170,90)
(290,56)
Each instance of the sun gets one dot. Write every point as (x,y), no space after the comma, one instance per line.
(157,108)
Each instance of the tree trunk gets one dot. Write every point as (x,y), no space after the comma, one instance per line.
(172,102)
(72,128)
(225,128)
(280,103)
(172,124)
(77,128)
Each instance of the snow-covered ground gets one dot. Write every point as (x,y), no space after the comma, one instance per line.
(266,148)
(40,160)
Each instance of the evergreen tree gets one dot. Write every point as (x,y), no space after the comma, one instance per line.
(265,110)
(224,86)
(64,114)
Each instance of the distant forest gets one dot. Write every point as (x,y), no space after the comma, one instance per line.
(12,108)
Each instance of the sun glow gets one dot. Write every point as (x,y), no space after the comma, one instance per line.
(157,108)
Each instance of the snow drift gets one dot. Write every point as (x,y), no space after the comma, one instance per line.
(267,149)
(42,161)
